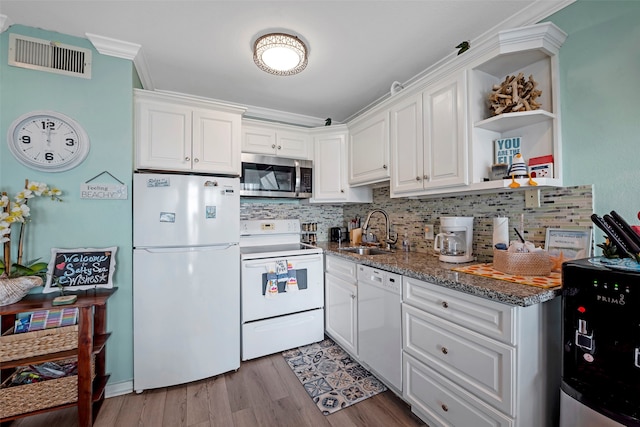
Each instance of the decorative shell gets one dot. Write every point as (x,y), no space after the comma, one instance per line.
(13,290)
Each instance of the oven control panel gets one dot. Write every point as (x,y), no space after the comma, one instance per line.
(269,227)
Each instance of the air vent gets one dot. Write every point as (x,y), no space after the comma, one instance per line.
(51,56)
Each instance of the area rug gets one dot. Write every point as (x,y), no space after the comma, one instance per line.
(487,270)
(331,377)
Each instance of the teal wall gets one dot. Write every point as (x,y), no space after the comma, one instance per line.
(103,105)
(600,93)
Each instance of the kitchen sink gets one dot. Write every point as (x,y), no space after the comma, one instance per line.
(363,250)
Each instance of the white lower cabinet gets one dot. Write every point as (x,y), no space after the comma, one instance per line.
(479,365)
(439,402)
(470,361)
(341,303)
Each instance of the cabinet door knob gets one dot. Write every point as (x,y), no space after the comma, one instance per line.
(444,350)
(417,178)
(196,160)
(445,304)
(353,296)
(444,407)
(187,159)
(279,147)
(426,177)
(273,145)
(384,166)
(341,190)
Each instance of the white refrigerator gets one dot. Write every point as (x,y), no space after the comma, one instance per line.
(186,278)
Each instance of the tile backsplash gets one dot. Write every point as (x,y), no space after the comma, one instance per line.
(325,216)
(565,207)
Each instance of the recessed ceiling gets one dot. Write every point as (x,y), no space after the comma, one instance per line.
(357,49)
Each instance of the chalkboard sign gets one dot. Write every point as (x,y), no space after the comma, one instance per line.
(82,268)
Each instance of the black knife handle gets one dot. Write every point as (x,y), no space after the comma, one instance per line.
(621,234)
(611,234)
(630,232)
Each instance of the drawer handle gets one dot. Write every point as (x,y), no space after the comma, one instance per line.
(444,407)
(444,350)
(445,304)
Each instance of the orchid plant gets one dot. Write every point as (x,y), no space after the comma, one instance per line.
(17,213)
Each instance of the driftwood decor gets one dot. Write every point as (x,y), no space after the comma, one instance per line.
(514,94)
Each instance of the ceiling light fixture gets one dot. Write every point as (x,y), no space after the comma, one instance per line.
(280,54)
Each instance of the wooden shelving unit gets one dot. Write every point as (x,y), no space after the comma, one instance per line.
(92,338)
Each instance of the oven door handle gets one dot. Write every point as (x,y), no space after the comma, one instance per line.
(296,260)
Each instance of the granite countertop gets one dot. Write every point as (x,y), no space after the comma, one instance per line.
(427,267)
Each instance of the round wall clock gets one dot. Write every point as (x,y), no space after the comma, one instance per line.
(48,141)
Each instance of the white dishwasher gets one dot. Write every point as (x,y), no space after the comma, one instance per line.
(380,324)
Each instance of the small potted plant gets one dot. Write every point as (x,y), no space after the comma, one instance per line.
(17,278)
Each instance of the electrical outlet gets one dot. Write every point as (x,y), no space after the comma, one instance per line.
(532,198)
(428,232)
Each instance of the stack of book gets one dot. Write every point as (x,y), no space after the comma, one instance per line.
(45,319)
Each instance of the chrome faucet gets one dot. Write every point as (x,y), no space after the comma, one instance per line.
(389,240)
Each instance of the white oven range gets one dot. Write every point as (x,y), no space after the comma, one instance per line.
(282,288)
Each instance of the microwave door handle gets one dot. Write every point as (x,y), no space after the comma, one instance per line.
(297,178)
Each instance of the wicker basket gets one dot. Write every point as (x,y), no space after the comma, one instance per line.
(522,263)
(36,343)
(42,395)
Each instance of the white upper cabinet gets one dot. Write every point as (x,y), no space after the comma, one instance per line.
(330,183)
(275,140)
(441,130)
(429,139)
(178,133)
(368,149)
(532,51)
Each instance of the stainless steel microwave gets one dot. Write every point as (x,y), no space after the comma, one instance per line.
(273,176)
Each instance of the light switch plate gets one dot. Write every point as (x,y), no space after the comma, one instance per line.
(428,232)
(532,198)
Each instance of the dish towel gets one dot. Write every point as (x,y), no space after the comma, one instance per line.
(272,282)
(280,275)
(292,280)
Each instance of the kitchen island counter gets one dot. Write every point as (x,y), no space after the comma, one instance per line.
(427,267)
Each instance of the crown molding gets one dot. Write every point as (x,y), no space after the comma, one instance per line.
(278,116)
(5,22)
(530,15)
(124,50)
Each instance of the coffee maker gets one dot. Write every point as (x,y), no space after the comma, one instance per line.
(454,242)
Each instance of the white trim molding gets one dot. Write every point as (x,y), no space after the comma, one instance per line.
(5,22)
(118,389)
(124,50)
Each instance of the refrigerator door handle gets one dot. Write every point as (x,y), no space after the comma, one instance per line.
(188,249)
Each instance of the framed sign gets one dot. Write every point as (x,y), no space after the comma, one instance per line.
(80,269)
(567,244)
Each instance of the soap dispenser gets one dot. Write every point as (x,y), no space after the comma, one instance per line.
(406,244)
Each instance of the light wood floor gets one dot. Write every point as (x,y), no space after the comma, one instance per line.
(263,392)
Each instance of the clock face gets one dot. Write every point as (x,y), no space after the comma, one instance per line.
(48,141)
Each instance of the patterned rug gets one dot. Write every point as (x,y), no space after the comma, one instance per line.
(331,377)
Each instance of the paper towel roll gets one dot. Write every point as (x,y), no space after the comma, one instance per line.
(501,230)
